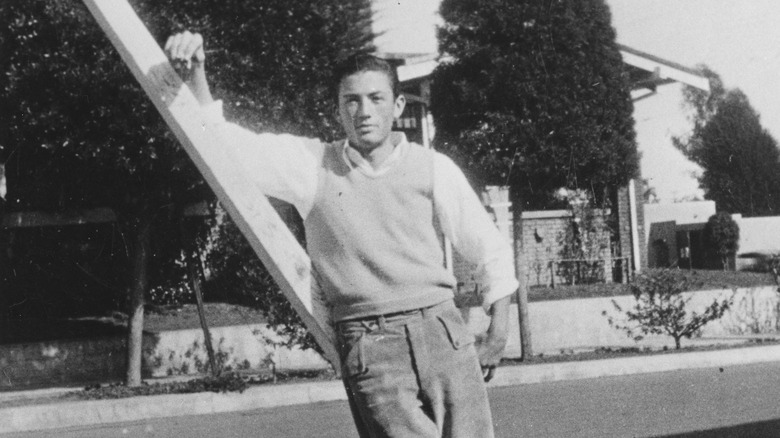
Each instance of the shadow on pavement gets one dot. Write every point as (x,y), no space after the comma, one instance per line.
(770,428)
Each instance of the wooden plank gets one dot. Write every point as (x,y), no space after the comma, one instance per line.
(273,242)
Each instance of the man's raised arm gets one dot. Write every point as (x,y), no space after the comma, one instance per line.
(281,166)
(185,50)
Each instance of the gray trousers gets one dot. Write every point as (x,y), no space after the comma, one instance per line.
(414,374)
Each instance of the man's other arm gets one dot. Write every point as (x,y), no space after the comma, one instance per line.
(475,237)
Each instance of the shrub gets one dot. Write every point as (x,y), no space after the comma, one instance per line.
(722,234)
(661,307)
(585,241)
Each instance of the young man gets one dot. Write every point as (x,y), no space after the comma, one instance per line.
(375,208)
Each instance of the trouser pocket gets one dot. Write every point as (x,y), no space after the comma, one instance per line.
(457,331)
(352,351)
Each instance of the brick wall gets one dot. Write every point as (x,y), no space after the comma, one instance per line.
(542,231)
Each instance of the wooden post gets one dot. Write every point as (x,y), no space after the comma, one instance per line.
(195,274)
(552,274)
(270,238)
(498,199)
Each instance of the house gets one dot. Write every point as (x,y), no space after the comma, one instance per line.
(674,233)
(675,237)
(628,250)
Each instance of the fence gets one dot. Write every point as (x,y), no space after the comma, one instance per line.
(584,271)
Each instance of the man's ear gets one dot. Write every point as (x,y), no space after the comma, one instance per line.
(400,104)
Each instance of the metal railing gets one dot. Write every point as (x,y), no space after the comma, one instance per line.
(583,271)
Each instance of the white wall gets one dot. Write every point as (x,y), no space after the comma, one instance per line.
(571,325)
(759,235)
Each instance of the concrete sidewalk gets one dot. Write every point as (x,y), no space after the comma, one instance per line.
(81,413)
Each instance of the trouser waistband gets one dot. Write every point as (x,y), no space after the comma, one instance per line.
(397,318)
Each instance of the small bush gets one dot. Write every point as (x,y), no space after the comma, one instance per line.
(661,308)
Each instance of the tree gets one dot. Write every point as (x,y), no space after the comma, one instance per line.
(740,159)
(533,95)
(661,308)
(79,132)
(722,233)
(82,134)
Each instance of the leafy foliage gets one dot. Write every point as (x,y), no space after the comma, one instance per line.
(585,241)
(661,308)
(272,61)
(239,277)
(722,233)
(227,382)
(533,95)
(78,132)
(739,158)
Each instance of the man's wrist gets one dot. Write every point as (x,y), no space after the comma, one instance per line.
(499,320)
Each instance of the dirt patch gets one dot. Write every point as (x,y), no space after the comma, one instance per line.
(163,318)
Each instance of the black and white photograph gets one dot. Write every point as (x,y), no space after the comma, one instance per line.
(389,218)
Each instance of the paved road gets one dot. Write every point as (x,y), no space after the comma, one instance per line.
(741,401)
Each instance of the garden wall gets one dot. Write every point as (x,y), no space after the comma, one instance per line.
(178,352)
(556,326)
(60,363)
(565,325)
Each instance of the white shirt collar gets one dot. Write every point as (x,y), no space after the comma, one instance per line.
(355,160)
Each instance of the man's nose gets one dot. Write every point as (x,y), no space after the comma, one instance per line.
(363,109)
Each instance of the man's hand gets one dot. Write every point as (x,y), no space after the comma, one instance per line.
(187,48)
(186,53)
(492,347)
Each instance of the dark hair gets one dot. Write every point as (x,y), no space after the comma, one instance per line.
(363,62)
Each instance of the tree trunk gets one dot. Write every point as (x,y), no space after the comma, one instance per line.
(5,278)
(139,227)
(195,272)
(520,270)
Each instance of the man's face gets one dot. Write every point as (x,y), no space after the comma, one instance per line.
(367,109)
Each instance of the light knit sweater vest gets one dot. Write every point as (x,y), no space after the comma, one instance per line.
(372,240)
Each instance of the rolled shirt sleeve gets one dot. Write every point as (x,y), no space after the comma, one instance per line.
(472,233)
(280,165)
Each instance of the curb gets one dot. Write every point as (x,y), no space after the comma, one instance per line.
(83,413)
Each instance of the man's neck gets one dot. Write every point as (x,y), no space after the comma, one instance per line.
(378,155)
